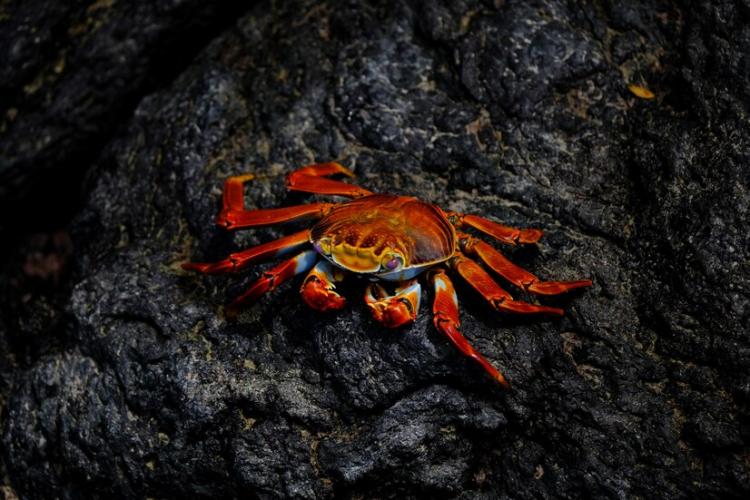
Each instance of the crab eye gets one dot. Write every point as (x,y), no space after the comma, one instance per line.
(323,246)
(392,262)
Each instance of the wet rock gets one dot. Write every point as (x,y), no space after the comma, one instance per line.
(516,112)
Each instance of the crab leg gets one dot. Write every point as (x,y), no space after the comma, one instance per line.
(233,214)
(272,278)
(511,272)
(505,234)
(498,298)
(238,219)
(445,317)
(319,289)
(311,179)
(240,260)
(394,310)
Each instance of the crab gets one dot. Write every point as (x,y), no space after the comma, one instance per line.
(387,239)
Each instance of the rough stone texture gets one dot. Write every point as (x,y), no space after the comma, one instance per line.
(71,71)
(513,110)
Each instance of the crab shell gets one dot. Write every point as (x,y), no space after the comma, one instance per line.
(386,237)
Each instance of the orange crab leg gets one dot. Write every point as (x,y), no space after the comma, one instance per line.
(319,289)
(272,278)
(323,170)
(498,298)
(505,234)
(445,317)
(311,179)
(233,198)
(511,272)
(241,260)
(270,216)
(394,310)
(233,214)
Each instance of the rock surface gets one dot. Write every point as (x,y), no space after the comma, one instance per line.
(70,75)
(513,110)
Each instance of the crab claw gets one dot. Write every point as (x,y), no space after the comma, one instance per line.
(318,289)
(395,310)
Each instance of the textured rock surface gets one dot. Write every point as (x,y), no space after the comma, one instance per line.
(71,71)
(511,110)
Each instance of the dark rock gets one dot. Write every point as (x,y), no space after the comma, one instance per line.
(512,110)
(70,72)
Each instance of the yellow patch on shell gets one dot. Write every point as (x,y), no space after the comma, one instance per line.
(355,259)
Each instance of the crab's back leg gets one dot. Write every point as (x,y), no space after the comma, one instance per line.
(233,214)
(272,278)
(319,288)
(397,309)
(505,234)
(239,219)
(240,260)
(445,317)
(511,272)
(498,298)
(312,179)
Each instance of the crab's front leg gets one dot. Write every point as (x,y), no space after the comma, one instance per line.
(445,316)
(319,289)
(272,278)
(394,310)
(240,260)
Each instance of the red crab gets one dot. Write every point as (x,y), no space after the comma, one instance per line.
(382,237)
